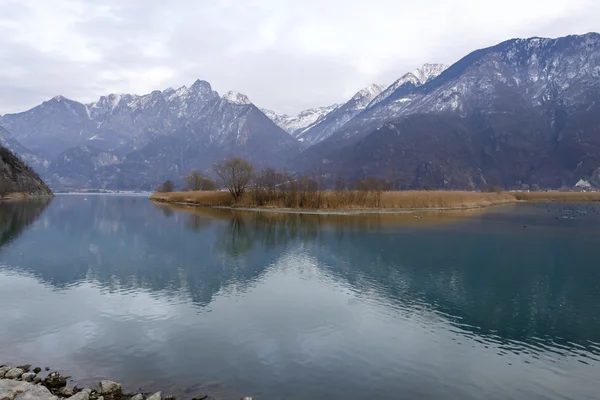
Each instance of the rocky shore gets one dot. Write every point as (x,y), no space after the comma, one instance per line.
(24,383)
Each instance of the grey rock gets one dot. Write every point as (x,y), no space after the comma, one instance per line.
(20,390)
(138,396)
(37,380)
(65,391)
(25,367)
(4,370)
(55,380)
(110,387)
(246,398)
(14,373)
(83,395)
(28,376)
(155,396)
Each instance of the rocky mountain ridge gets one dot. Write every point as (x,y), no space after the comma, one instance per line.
(16,176)
(522,112)
(138,140)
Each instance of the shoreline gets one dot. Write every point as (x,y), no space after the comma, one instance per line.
(27,382)
(19,196)
(361,203)
(361,211)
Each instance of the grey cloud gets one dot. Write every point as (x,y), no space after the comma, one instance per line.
(284,55)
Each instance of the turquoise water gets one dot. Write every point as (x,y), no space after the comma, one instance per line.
(496,304)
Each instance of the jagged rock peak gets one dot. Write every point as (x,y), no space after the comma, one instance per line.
(201,85)
(428,72)
(236,98)
(370,91)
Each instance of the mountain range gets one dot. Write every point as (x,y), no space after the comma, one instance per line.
(523,112)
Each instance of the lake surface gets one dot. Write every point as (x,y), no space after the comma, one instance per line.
(502,303)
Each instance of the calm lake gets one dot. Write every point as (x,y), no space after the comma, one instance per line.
(502,303)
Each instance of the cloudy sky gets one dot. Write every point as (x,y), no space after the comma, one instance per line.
(287,55)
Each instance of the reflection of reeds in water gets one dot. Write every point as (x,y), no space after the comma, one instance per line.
(567,197)
(313,222)
(346,200)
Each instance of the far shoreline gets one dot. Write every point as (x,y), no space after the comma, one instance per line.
(388,202)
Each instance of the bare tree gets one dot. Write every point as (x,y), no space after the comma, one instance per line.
(236,175)
(166,187)
(198,181)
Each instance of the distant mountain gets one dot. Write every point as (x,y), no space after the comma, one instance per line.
(51,127)
(35,161)
(332,122)
(164,133)
(526,111)
(294,124)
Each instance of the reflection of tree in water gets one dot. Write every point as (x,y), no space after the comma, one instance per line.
(15,217)
(197,223)
(167,211)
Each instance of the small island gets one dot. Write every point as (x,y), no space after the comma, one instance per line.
(241,187)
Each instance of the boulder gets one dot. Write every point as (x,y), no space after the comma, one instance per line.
(10,389)
(110,388)
(83,395)
(25,367)
(65,391)
(55,380)
(138,396)
(14,373)
(155,396)
(4,370)
(28,376)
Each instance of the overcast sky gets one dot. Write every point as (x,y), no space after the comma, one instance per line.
(286,55)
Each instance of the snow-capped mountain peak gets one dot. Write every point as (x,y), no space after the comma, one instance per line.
(293,124)
(428,72)
(369,92)
(236,98)
(418,77)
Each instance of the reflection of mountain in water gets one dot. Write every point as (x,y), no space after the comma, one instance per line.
(15,217)
(494,278)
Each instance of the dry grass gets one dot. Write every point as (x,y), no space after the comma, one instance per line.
(346,200)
